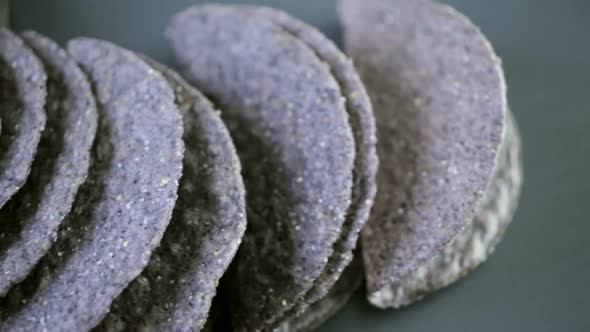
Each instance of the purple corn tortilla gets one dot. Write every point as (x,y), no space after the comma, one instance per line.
(22,85)
(321,311)
(363,126)
(439,97)
(287,117)
(175,291)
(477,240)
(123,208)
(34,214)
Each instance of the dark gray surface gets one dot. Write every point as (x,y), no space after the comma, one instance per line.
(538,278)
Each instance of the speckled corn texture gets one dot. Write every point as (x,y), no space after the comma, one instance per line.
(175,291)
(30,220)
(362,123)
(287,115)
(439,99)
(324,309)
(22,100)
(122,210)
(476,241)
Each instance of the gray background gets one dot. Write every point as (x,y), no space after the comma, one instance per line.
(538,278)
